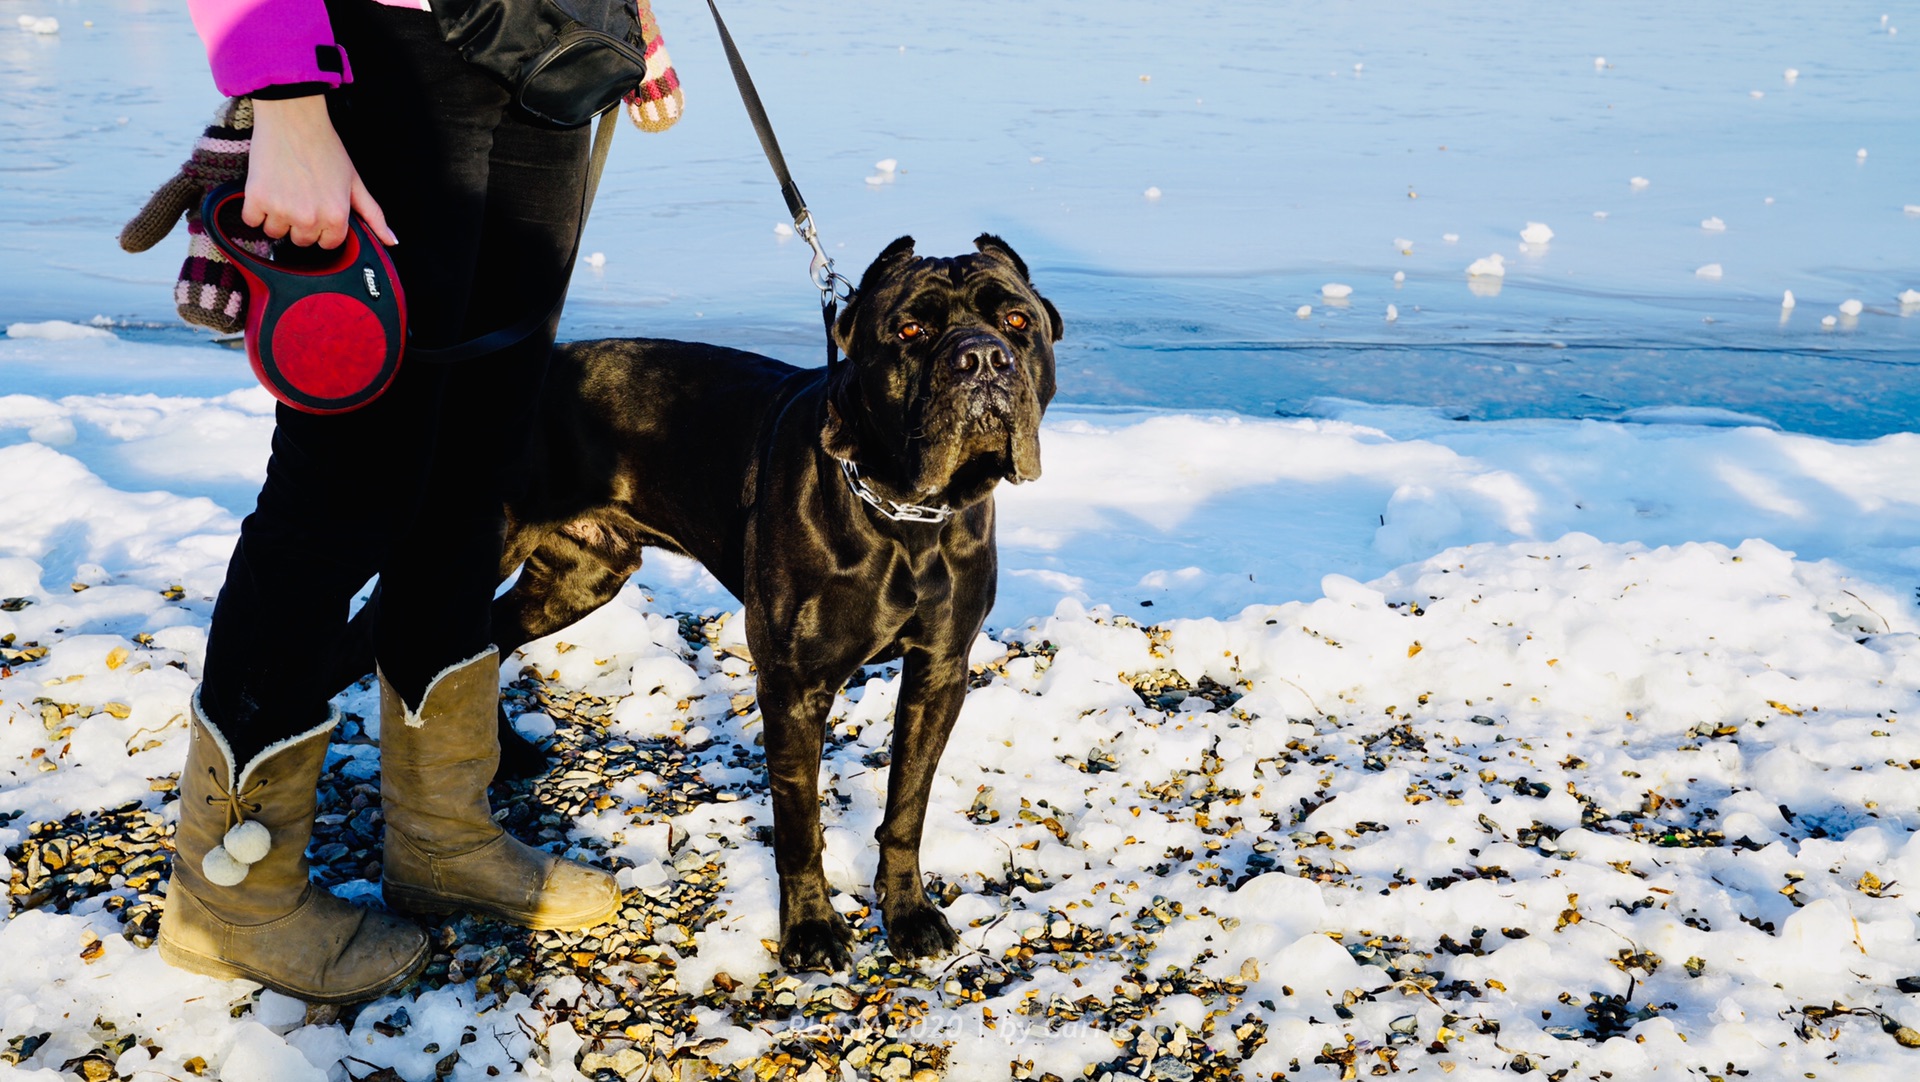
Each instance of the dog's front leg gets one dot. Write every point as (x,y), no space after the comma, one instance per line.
(795,706)
(932,688)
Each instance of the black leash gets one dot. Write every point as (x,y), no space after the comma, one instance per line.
(833,288)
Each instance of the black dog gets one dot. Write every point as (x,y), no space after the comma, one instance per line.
(849,510)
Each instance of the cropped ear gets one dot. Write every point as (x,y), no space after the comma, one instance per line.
(1053,317)
(901,248)
(989,244)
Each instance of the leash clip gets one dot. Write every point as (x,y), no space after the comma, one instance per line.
(831,284)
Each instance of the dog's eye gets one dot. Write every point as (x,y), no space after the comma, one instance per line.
(911,331)
(1017,320)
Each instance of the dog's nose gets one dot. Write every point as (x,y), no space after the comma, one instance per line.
(983,358)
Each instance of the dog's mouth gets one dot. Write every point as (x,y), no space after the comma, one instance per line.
(974,437)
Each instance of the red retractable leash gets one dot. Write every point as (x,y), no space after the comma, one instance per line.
(325,338)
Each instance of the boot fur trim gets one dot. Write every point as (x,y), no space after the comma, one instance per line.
(226,750)
(412,713)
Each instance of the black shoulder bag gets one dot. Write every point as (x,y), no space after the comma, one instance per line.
(565,61)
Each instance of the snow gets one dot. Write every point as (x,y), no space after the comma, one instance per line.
(1596,698)
(57,330)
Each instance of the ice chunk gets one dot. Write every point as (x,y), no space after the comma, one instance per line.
(1600,214)
(1828,321)
(1786,299)
(1450,238)
(1910,296)
(887,165)
(1536,233)
(1639,182)
(1711,270)
(1861,154)
(1152,193)
(1756,94)
(782,229)
(1713,225)
(48,25)
(259,1055)
(596,260)
(1599,62)
(1403,245)
(1392,313)
(1792,74)
(1303,311)
(57,329)
(1493,266)
(1399,276)
(1335,291)
(1851,307)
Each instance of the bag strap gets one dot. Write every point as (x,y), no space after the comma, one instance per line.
(510,336)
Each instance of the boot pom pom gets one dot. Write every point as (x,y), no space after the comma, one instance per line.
(247,842)
(221,869)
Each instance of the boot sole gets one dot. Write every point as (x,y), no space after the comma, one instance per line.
(422,903)
(194,962)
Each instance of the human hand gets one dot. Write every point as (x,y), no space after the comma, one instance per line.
(301,184)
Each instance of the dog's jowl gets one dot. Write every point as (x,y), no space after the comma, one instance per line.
(849,510)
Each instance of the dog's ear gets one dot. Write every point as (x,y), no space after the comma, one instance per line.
(1053,318)
(901,248)
(988,244)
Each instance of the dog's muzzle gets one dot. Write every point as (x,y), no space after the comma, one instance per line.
(981,357)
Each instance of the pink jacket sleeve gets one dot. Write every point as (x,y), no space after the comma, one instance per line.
(253,44)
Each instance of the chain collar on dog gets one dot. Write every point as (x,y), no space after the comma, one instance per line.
(898,512)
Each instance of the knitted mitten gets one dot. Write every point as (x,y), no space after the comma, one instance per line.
(656,103)
(210,291)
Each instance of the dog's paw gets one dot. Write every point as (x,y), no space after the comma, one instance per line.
(822,945)
(920,932)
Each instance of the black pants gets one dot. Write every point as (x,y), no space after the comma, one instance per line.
(486,207)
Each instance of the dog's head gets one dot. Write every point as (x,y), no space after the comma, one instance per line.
(949,368)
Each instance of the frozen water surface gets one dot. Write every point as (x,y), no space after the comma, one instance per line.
(1289,150)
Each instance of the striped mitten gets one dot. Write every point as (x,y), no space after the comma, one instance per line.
(656,103)
(210,291)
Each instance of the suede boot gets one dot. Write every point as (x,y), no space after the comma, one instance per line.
(444,852)
(240,905)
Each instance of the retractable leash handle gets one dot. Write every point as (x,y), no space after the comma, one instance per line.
(326,338)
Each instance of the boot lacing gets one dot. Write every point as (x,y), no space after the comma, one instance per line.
(246,840)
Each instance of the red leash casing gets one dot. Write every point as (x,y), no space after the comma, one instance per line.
(325,338)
